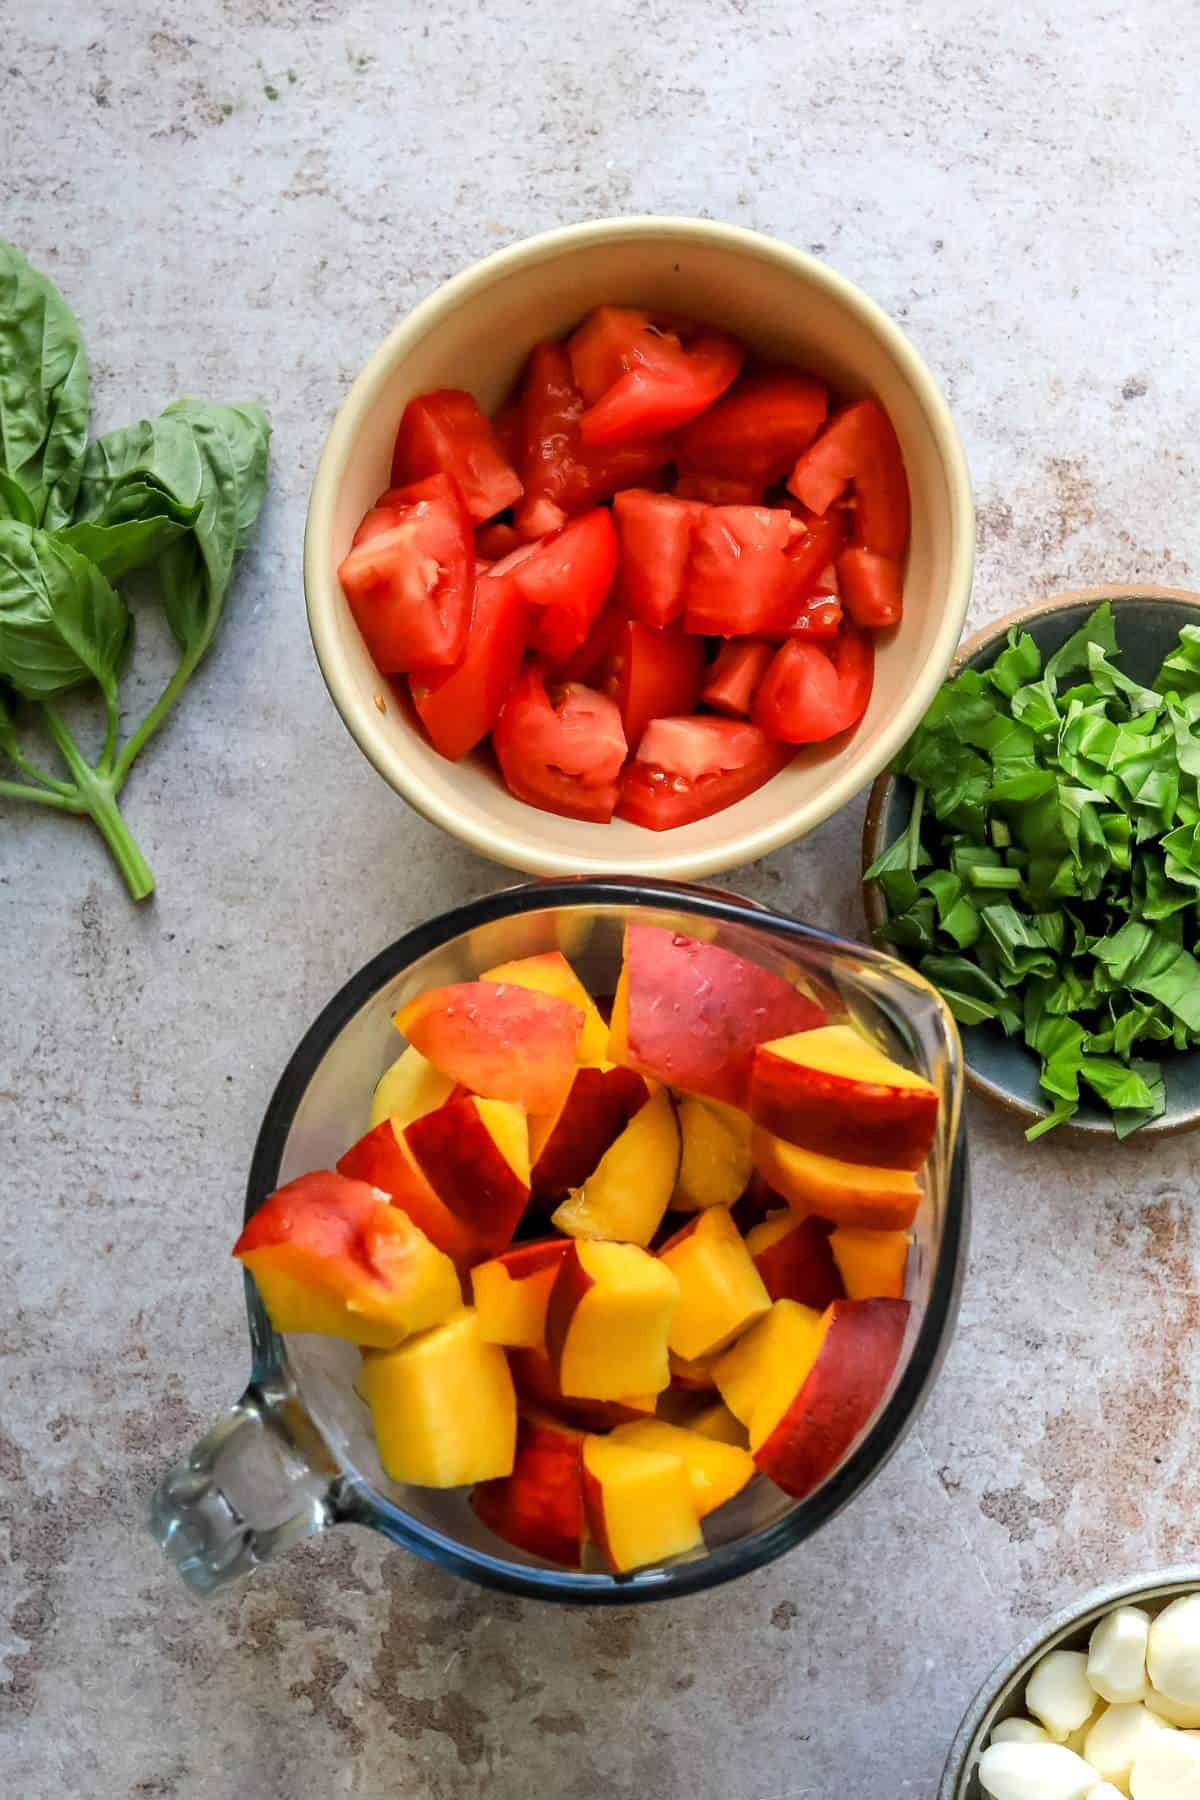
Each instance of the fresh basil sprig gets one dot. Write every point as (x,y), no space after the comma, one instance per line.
(177,495)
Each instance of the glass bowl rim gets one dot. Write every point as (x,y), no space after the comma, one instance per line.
(353,1501)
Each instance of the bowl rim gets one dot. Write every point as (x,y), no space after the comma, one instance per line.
(995,1689)
(879,801)
(522,849)
(354,1501)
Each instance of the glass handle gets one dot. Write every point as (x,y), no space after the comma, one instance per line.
(247,1491)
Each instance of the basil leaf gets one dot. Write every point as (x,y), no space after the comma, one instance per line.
(15,502)
(1151,962)
(44,390)
(118,549)
(1097,628)
(61,622)
(1180,671)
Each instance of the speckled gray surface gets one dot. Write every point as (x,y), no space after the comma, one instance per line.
(239,198)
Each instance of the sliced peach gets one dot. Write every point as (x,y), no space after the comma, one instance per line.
(809,1415)
(638,1504)
(539,1507)
(690,1013)
(849,1193)
(716,1471)
(693,1375)
(444,1407)
(608,1321)
(551,973)
(871,1263)
(795,1260)
(627,1193)
(717,1422)
(409,1089)
(475,1155)
(715,1162)
(502,1041)
(538,1385)
(383,1158)
(511,1292)
(566,1147)
(786,1337)
(720,1290)
(833,1092)
(334,1256)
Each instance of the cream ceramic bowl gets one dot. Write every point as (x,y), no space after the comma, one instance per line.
(475,332)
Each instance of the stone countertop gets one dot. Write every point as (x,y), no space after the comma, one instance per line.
(239,197)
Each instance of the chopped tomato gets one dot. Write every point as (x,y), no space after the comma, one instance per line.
(506,423)
(536,517)
(872,587)
(430,487)
(459,707)
(562,752)
(688,769)
(380,518)
(810,601)
(445,432)
(654,532)
(409,588)
(553,460)
(736,575)
(667,386)
(718,490)
(494,542)
(859,446)
(818,615)
(652,675)
(566,582)
(740,666)
(756,431)
(611,340)
(593,656)
(809,693)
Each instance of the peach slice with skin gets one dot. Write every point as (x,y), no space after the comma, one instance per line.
(333,1256)
(475,1155)
(627,1193)
(443,1405)
(715,1161)
(638,1504)
(871,1263)
(501,1040)
(408,1089)
(794,1259)
(608,1321)
(786,1337)
(551,973)
(809,1415)
(538,1386)
(539,1507)
(720,1290)
(832,1092)
(716,1471)
(566,1147)
(383,1158)
(848,1193)
(691,1014)
(512,1291)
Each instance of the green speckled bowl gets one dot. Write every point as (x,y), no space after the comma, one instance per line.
(1148,621)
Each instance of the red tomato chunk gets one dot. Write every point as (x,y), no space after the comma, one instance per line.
(688,769)
(809,693)
(409,587)
(446,433)
(563,753)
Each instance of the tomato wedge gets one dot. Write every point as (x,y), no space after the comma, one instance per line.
(872,587)
(756,431)
(665,388)
(688,769)
(589,662)
(652,675)
(445,432)
(611,340)
(563,753)
(809,693)
(654,533)
(718,490)
(409,587)
(736,575)
(859,446)
(554,461)
(494,542)
(566,582)
(740,666)
(459,708)
(536,517)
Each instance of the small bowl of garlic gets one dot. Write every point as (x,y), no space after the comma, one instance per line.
(1101,1703)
